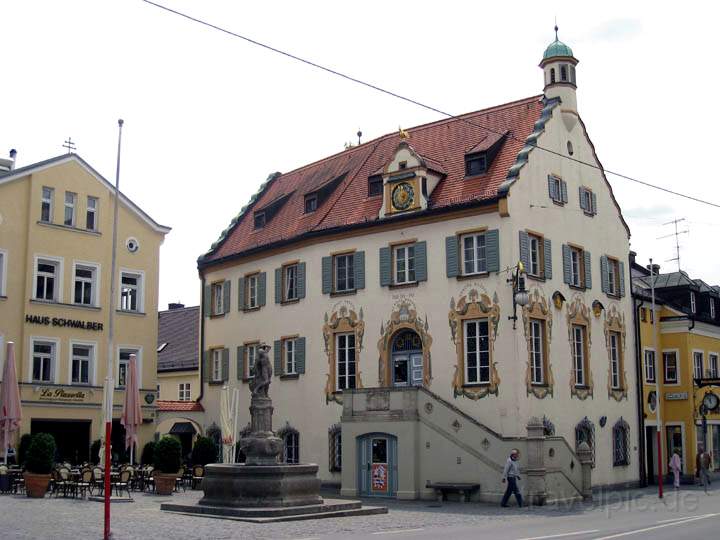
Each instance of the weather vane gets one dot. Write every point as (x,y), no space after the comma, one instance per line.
(70,145)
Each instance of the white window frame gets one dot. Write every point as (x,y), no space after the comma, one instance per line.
(698,353)
(557,184)
(476,262)
(693,302)
(677,382)
(650,367)
(251,293)
(403,254)
(3,271)
(346,361)
(94,284)
(535,255)
(290,281)
(712,307)
(54,371)
(615,351)
(587,195)
(349,276)
(137,349)
(248,364)
(478,351)
(537,350)
(216,374)
(713,365)
(289,351)
(217,295)
(92,362)
(140,290)
(49,202)
(184,391)
(577,277)
(578,355)
(613,272)
(92,210)
(59,264)
(70,205)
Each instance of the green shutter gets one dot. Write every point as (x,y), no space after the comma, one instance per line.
(588,270)
(525,250)
(621,264)
(300,355)
(359,264)
(327,264)
(421,261)
(604,285)
(547,253)
(551,189)
(594,203)
(262,286)
(277,356)
(451,256)
(582,199)
(492,250)
(567,270)
(207,372)
(301,280)
(241,293)
(278,285)
(226,296)
(385,266)
(563,191)
(207,301)
(240,363)
(225,364)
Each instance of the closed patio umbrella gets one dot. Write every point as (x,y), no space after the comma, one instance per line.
(10,412)
(132,415)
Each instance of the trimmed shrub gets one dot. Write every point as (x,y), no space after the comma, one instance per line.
(204,451)
(148,453)
(25,441)
(168,455)
(41,454)
(95,451)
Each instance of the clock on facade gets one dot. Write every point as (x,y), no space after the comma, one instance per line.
(711,401)
(403,196)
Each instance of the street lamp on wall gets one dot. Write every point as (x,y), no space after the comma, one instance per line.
(520,294)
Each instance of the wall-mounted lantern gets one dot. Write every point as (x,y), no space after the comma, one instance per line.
(520,294)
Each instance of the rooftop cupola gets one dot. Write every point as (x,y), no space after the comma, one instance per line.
(558,64)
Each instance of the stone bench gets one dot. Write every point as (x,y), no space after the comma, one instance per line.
(464,489)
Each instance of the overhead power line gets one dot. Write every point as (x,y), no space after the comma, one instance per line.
(419,103)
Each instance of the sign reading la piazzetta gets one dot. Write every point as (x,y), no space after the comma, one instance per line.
(64,323)
(60,394)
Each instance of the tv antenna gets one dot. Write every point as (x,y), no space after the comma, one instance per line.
(70,145)
(676,234)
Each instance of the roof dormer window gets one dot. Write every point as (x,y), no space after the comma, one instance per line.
(475,164)
(402,165)
(375,186)
(259,222)
(311,202)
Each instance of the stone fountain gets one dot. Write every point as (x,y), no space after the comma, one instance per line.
(263,489)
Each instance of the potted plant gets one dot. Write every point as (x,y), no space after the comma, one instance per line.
(168,459)
(40,456)
(148,453)
(25,441)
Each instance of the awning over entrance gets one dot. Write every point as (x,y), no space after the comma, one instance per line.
(182,428)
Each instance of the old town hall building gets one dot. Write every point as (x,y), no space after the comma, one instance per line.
(434,298)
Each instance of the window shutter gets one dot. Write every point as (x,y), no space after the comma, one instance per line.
(621,265)
(588,270)
(277,357)
(567,272)
(582,199)
(241,293)
(262,286)
(359,261)
(451,256)
(301,280)
(278,285)
(551,188)
(563,191)
(207,374)
(421,261)
(240,364)
(226,296)
(594,203)
(207,301)
(547,254)
(525,249)
(492,247)
(225,364)
(604,285)
(385,266)
(327,275)
(300,355)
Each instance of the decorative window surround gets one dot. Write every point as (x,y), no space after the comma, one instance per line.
(615,326)
(343,321)
(538,310)
(578,314)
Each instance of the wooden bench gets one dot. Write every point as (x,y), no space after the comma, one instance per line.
(464,489)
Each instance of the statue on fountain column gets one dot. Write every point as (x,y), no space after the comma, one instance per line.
(262,373)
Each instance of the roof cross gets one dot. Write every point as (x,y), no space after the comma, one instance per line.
(70,145)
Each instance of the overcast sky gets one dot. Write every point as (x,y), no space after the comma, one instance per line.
(208,117)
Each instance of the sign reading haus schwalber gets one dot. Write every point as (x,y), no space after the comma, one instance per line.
(64,323)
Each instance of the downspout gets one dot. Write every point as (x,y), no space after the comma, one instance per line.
(201,347)
(639,392)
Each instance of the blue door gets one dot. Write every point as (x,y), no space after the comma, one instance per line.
(377,465)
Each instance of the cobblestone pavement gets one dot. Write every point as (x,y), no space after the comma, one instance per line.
(22,518)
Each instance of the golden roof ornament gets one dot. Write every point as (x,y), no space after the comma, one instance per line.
(403,134)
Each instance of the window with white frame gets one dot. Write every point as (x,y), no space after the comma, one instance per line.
(123,365)
(3,272)
(218,298)
(335,450)
(587,200)
(713,367)
(251,292)
(289,350)
(130,291)
(579,352)
(46,208)
(85,288)
(693,304)
(537,350)
(712,308)
(47,280)
(670,364)
(649,366)
(345,361)
(474,253)
(43,361)
(184,391)
(250,356)
(615,361)
(344,272)
(82,363)
(613,276)
(290,282)
(291,450)
(698,364)
(535,248)
(70,202)
(477,351)
(217,365)
(404,264)
(91,211)
(577,270)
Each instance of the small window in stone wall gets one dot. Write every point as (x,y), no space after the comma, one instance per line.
(621,446)
(291,444)
(335,448)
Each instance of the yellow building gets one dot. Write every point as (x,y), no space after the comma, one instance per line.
(683,359)
(55,258)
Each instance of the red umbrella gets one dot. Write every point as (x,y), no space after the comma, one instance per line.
(10,412)
(132,415)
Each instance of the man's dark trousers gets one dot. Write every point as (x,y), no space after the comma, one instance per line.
(512,487)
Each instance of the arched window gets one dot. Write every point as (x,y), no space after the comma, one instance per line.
(621,443)
(563,73)
(552,75)
(585,432)
(335,447)
(291,444)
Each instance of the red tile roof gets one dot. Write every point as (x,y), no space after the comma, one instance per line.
(179,406)
(443,144)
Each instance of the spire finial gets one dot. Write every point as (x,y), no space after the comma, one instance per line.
(556,29)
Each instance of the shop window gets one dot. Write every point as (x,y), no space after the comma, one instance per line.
(70,203)
(621,443)
(46,207)
(346,361)
(671,368)
(335,448)
(477,351)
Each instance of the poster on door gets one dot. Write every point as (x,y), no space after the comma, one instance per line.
(379,477)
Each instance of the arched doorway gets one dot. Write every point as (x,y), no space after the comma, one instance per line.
(406,359)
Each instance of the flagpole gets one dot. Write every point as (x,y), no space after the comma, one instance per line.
(111,336)
(658,399)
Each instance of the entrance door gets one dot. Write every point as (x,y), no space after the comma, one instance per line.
(651,453)
(377,465)
(407,359)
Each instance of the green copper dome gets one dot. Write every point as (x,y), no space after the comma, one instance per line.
(557,48)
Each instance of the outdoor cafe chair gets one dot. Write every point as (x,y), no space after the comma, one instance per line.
(197,475)
(5,479)
(66,481)
(18,481)
(98,480)
(85,483)
(122,483)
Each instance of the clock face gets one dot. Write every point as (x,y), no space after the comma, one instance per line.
(711,401)
(403,196)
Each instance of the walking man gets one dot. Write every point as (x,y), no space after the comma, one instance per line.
(511,475)
(702,467)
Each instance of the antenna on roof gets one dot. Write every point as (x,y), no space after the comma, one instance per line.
(676,234)
(70,145)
